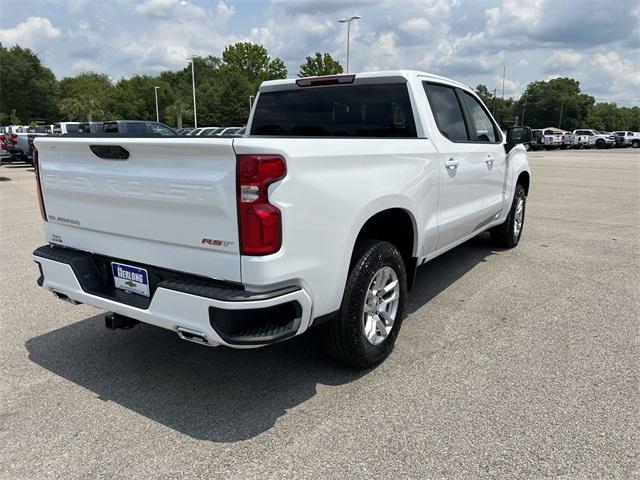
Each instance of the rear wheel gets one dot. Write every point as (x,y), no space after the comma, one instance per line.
(365,330)
(508,234)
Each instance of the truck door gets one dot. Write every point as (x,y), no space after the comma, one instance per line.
(462,163)
(486,135)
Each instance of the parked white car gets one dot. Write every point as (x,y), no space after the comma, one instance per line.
(552,138)
(319,218)
(593,138)
(629,139)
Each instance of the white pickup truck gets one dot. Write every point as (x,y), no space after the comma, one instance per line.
(320,215)
(593,138)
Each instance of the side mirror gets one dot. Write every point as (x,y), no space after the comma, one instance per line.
(516,135)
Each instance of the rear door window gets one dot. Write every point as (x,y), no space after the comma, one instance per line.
(373,111)
(136,127)
(447,111)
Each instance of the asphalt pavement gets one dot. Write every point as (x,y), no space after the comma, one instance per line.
(511,364)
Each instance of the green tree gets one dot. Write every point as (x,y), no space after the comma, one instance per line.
(555,103)
(608,117)
(485,95)
(134,98)
(84,97)
(229,98)
(27,88)
(254,62)
(177,111)
(634,119)
(320,65)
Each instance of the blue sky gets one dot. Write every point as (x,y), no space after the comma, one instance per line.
(594,41)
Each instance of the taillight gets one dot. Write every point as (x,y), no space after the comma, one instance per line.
(36,165)
(4,145)
(14,138)
(260,223)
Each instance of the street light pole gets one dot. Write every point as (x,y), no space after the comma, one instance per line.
(560,121)
(348,22)
(155,90)
(193,84)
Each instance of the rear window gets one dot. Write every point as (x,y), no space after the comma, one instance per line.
(72,128)
(375,111)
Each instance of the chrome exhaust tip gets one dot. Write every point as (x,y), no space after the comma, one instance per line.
(192,336)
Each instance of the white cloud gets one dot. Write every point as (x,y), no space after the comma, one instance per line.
(30,33)
(176,9)
(85,65)
(514,17)
(225,11)
(387,44)
(563,61)
(616,67)
(415,26)
(512,88)
(262,36)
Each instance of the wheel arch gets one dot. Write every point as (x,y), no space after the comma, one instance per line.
(524,179)
(397,226)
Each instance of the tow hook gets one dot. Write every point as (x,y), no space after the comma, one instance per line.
(113,321)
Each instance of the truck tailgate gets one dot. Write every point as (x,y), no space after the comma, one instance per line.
(171,203)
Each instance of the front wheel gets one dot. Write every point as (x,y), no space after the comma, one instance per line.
(365,330)
(508,234)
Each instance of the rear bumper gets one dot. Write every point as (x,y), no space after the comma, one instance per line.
(224,315)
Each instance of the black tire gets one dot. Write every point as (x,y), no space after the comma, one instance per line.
(343,337)
(635,144)
(505,235)
(600,144)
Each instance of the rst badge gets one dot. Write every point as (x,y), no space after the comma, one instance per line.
(216,243)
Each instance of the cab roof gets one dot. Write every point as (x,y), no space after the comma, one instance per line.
(384,76)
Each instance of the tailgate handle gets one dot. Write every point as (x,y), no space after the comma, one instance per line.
(109,152)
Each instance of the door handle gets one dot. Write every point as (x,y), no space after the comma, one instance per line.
(488,159)
(451,163)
